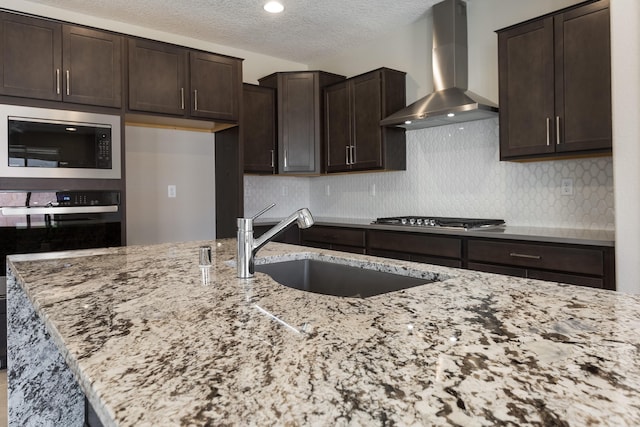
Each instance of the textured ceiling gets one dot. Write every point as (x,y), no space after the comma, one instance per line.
(307,29)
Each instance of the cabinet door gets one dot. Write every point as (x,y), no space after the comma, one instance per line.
(92,65)
(31,57)
(338,127)
(215,86)
(157,77)
(526,90)
(583,78)
(298,119)
(259,127)
(367,113)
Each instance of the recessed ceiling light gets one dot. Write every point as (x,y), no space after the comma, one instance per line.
(274,7)
(450,115)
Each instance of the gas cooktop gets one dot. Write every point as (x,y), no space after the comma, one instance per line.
(440,222)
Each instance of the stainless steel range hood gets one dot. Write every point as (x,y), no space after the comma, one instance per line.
(451,102)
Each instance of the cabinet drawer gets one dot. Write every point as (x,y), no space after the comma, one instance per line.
(340,236)
(546,257)
(446,262)
(423,244)
(592,282)
(498,269)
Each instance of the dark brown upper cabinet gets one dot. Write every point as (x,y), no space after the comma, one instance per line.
(92,64)
(300,118)
(173,80)
(158,77)
(43,59)
(555,84)
(215,86)
(259,129)
(354,139)
(31,57)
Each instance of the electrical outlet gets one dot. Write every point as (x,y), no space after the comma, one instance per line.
(285,190)
(372,190)
(327,190)
(566,187)
(171,191)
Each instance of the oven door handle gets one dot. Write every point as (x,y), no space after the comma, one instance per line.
(57,210)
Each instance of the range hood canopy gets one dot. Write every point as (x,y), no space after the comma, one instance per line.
(451,102)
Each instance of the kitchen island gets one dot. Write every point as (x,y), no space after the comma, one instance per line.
(149,342)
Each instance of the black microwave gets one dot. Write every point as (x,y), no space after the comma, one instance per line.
(44,143)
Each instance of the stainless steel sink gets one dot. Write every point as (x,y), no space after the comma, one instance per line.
(336,279)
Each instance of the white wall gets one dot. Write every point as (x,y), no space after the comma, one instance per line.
(157,158)
(625,40)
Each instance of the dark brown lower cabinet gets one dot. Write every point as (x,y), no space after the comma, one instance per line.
(290,235)
(418,247)
(579,265)
(583,265)
(336,238)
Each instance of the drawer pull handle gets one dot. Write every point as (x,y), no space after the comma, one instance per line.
(517,255)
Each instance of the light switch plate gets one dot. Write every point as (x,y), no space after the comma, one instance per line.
(171,191)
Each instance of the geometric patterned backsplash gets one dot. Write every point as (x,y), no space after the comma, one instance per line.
(453,171)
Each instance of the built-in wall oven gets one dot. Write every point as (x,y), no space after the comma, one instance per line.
(44,221)
(39,144)
(48,143)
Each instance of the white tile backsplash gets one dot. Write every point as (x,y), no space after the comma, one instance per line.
(453,171)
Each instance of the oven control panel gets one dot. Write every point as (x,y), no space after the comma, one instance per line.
(88,198)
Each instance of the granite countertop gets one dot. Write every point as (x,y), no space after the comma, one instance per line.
(510,232)
(151,345)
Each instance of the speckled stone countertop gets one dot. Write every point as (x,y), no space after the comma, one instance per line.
(536,234)
(151,345)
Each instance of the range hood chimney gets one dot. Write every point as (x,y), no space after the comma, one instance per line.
(451,102)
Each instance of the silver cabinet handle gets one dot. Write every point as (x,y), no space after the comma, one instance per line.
(558,130)
(195,99)
(352,150)
(285,158)
(68,90)
(346,156)
(182,98)
(272,158)
(517,255)
(58,81)
(548,130)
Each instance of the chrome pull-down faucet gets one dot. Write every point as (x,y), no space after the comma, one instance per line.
(248,246)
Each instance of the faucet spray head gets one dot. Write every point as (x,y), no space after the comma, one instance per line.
(305,219)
